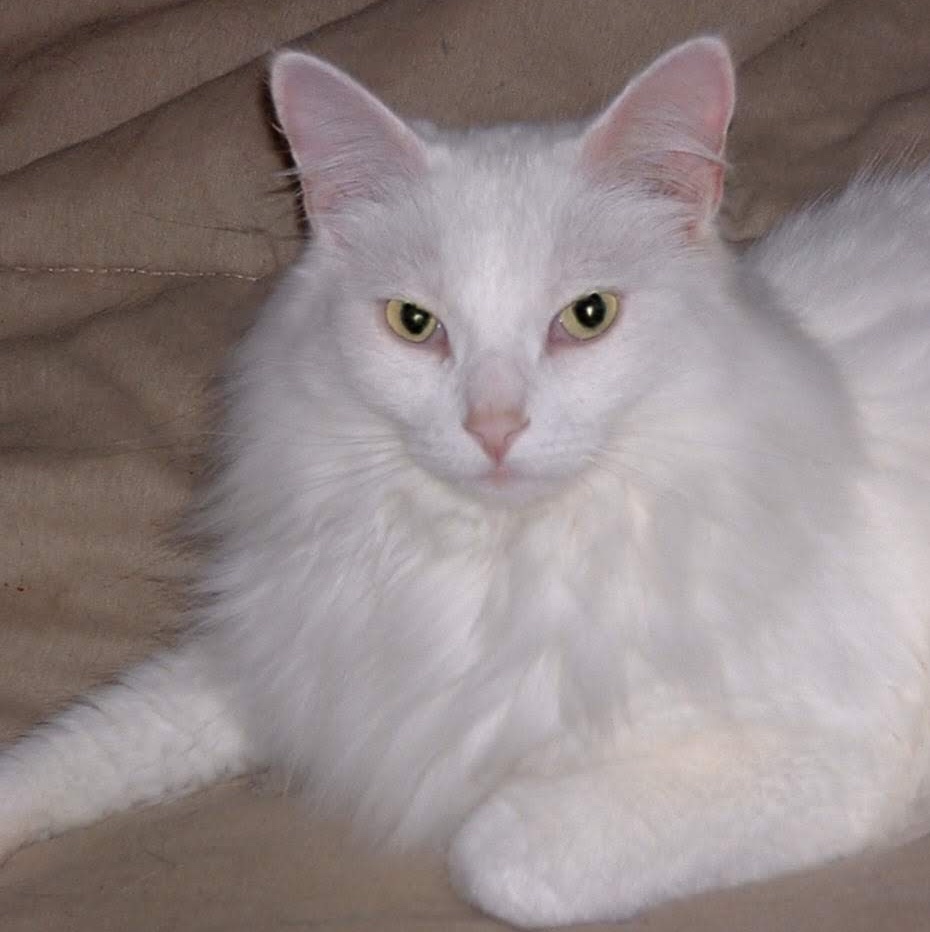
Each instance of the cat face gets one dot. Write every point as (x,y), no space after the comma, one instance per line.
(504,297)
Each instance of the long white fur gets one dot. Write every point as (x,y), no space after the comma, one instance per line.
(685,645)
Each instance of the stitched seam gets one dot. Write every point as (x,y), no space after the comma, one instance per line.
(125,270)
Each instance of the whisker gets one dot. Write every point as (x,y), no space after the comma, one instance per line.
(626,471)
(306,431)
(361,477)
(782,455)
(350,444)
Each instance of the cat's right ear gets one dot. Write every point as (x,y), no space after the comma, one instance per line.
(345,143)
(668,129)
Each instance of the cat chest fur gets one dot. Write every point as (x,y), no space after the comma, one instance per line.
(417,648)
(406,662)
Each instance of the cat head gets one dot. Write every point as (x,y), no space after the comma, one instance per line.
(504,298)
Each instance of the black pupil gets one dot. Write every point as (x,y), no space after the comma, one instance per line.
(414,319)
(591,311)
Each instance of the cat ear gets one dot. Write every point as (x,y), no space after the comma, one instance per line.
(346,144)
(668,128)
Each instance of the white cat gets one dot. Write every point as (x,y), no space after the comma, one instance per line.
(548,530)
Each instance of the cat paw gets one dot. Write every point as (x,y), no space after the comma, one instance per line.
(510,863)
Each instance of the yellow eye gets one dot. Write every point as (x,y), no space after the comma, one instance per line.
(409,321)
(590,316)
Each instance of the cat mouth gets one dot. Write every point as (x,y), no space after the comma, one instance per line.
(504,485)
(498,481)
(500,476)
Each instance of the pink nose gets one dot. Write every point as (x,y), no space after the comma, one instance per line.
(495,429)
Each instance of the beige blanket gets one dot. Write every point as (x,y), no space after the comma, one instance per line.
(142,218)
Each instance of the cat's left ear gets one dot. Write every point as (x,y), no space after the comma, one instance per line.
(668,129)
(346,144)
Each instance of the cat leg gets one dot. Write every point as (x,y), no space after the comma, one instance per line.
(161,731)
(606,841)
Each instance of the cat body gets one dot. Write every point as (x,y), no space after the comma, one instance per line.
(609,617)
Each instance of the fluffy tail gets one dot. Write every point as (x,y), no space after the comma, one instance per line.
(163,730)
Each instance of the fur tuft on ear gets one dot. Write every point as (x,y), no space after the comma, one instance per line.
(346,144)
(668,128)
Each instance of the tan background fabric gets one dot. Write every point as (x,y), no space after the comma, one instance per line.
(142,218)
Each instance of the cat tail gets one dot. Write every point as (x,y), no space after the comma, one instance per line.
(161,731)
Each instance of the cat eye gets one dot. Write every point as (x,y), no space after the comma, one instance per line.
(589,316)
(410,321)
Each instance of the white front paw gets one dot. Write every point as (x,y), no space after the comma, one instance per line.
(509,860)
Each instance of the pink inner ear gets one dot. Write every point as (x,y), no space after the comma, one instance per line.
(668,128)
(346,143)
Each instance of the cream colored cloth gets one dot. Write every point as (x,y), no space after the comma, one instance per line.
(142,218)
